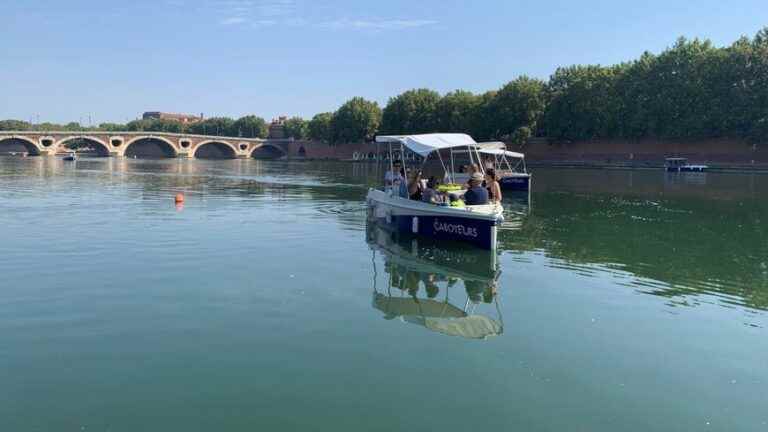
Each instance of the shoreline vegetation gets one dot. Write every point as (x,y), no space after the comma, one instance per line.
(692,90)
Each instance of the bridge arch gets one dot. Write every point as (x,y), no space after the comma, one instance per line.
(163,148)
(102,147)
(32,148)
(216,149)
(267,151)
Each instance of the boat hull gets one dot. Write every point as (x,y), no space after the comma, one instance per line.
(687,169)
(433,222)
(516,183)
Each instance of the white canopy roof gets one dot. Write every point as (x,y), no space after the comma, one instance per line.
(428,143)
(492,145)
(507,153)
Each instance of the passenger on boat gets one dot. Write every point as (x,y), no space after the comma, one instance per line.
(429,194)
(472,170)
(492,184)
(414,186)
(394,177)
(477,194)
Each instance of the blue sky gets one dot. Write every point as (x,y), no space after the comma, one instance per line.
(112,60)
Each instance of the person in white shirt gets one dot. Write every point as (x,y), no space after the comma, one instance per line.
(394,178)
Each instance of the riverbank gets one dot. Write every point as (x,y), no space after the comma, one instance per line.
(721,154)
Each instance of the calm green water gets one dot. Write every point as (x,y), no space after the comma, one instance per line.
(632,301)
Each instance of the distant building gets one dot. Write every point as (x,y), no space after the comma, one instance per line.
(183,118)
(277,128)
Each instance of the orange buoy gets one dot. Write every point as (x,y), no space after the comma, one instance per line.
(179,198)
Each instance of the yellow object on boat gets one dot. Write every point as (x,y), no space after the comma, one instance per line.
(448,187)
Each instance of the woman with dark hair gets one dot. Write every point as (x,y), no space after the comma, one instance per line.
(492,184)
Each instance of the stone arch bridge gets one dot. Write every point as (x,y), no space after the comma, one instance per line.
(121,144)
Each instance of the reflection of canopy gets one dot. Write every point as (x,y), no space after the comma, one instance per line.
(470,327)
(405,306)
(428,143)
(441,317)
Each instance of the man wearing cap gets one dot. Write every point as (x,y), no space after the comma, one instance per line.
(477,194)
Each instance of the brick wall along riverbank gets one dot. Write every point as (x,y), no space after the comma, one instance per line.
(718,153)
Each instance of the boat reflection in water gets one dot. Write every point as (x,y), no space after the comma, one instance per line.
(424,284)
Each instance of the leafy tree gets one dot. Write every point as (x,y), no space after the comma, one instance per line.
(319,128)
(112,127)
(14,125)
(214,126)
(414,111)
(156,125)
(483,125)
(583,103)
(47,126)
(73,126)
(357,120)
(456,111)
(249,126)
(297,128)
(520,103)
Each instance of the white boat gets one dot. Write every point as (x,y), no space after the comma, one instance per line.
(509,166)
(678,164)
(473,224)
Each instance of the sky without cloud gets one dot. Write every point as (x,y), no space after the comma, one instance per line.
(112,60)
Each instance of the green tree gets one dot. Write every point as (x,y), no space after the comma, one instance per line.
(73,126)
(249,126)
(47,126)
(414,111)
(156,125)
(456,111)
(14,125)
(296,128)
(112,127)
(583,103)
(483,126)
(214,126)
(520,103)
(355,121)
(319,128)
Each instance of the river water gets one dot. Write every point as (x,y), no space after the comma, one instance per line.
(618,300)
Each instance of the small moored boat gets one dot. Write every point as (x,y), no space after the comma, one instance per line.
(70,157)
(510,166)
(473,224)
(678,164)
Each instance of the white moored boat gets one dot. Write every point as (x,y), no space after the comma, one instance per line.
(510,166)
(474,224)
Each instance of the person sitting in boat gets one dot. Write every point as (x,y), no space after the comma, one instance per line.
(474,168)
(477,194)
(429,194)
(492,184)
(394,177)
(488,163)
(414,186)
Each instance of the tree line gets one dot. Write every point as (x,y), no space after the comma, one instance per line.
(690,90)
